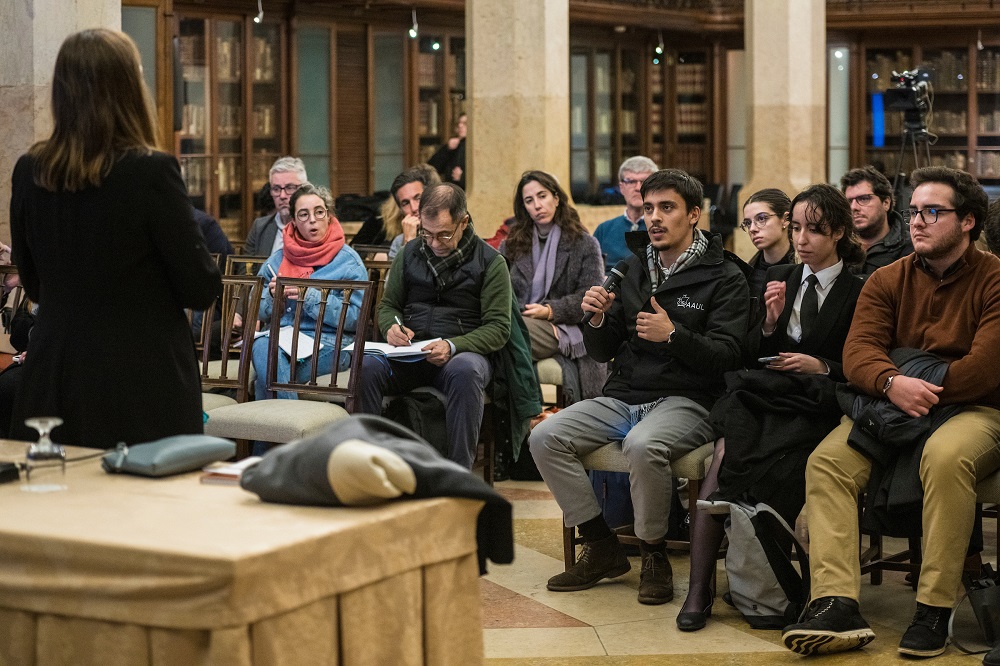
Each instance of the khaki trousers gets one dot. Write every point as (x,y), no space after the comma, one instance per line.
(965,449)
(544,343)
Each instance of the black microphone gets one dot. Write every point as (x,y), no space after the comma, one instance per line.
(611,284)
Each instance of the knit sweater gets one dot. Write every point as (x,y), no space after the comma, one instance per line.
(956,318)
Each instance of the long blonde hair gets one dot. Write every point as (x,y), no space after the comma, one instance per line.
(100,109)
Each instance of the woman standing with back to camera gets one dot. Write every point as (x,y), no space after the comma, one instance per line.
(106,244)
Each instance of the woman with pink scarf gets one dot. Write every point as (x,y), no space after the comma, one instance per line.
(313,248)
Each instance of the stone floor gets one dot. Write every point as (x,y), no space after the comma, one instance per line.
(526,624)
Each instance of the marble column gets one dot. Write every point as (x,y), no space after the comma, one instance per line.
(33,31)
(518,70)
(786,132)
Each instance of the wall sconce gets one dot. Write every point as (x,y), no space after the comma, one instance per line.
(260,12)
(659,46)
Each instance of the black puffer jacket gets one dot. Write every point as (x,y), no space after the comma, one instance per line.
(708,303)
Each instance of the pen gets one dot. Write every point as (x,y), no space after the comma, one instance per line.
(398,321)
(271,270)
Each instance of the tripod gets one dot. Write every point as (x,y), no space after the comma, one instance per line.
(914,132)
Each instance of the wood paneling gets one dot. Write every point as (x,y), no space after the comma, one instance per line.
(352,131)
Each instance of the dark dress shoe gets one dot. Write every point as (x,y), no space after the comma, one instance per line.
(695,620)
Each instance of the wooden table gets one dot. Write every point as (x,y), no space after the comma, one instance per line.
(126,570)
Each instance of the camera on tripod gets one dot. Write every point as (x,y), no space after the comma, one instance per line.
(910,91)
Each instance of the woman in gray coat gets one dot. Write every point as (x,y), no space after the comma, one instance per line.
(553,261)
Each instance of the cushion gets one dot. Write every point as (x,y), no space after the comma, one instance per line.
(343,377)
(549,372)
(609,458)
(210,401)
(273,420)
(232,370)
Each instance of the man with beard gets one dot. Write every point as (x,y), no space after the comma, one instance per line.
(941,307)
(673,330)
(884,236)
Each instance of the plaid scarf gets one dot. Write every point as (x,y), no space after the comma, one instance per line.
(658,274)
(443,268)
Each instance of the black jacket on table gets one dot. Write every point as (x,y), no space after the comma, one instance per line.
(826,340)
(709,305)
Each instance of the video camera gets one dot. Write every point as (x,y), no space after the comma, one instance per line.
(910,91)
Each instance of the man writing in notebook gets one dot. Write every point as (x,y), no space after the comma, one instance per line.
(449,285)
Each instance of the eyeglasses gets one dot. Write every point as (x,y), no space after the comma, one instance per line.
(440,237)
(319,213)
(862,199)
(928,215)
(759,220)
(631,182)
(287,189)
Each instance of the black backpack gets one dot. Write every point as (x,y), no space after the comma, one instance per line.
(423,413)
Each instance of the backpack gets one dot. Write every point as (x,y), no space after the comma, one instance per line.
(764,585)
(423,413)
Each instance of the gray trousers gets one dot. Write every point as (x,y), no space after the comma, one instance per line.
(650,435)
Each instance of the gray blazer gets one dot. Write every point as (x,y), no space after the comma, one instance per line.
(578,268)
(260,238)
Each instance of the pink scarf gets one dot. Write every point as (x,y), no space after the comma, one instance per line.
(302,257)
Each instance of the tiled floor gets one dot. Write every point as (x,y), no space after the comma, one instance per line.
(526,624)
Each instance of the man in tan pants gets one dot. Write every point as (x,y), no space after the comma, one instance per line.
(944,300)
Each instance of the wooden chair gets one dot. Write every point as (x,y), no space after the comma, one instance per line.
(609,458)
(368,251)
(240,295)
(274,420)
(550,373)
(243,265)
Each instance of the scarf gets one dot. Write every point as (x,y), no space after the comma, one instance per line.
(443,268)
(543,260)
(301,257)
(659,275)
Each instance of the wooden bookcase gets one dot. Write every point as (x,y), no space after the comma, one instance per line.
(438,90)
(234,109)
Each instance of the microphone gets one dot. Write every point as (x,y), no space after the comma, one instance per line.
(611,284)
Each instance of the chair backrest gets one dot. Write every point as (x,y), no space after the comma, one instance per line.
(243,265)
(367,251)
(378,271)
(240,295)
(341,290)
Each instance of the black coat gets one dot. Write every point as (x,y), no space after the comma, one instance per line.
(826,340)
(709,305)
(112,269)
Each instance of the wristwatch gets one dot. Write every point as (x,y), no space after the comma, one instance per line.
(888,384)
(670,338)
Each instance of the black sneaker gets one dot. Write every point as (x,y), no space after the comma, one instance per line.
(598,560)
(928,633)
(656,582)
(830,624)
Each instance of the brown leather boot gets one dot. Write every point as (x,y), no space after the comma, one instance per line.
(656,581)
(598,560)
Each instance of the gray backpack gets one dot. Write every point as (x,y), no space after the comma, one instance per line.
(764,585)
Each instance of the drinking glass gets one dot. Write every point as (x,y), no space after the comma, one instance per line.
(44,453)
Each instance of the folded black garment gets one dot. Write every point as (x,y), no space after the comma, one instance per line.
(340,467)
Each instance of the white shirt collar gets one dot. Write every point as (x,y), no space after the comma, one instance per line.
(825,276)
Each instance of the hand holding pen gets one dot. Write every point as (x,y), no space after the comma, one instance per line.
(398,335)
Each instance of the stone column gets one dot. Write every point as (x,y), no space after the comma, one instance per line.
(518,53)
(786,133)
(33,31)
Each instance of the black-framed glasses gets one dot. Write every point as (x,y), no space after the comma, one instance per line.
(287,189)
(928,215)
(758,220)
(440,237)
(319,213)
(862,199)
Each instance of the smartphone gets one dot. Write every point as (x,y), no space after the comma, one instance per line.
(767,359)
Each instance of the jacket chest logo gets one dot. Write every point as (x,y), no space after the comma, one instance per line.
(686,302)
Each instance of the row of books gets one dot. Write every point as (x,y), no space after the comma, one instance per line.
(692,118)
(692,78)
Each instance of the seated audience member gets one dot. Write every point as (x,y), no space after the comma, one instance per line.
(215,238)
(447,284)
(922,345)
(313,248)
(674,329)
(265,236)
(611,233)
(991,230)
(792,400)
(449,160)
(766,219)
(400,210)
(884,235)
(553,262)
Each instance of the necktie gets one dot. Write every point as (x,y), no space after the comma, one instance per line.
(809,310)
